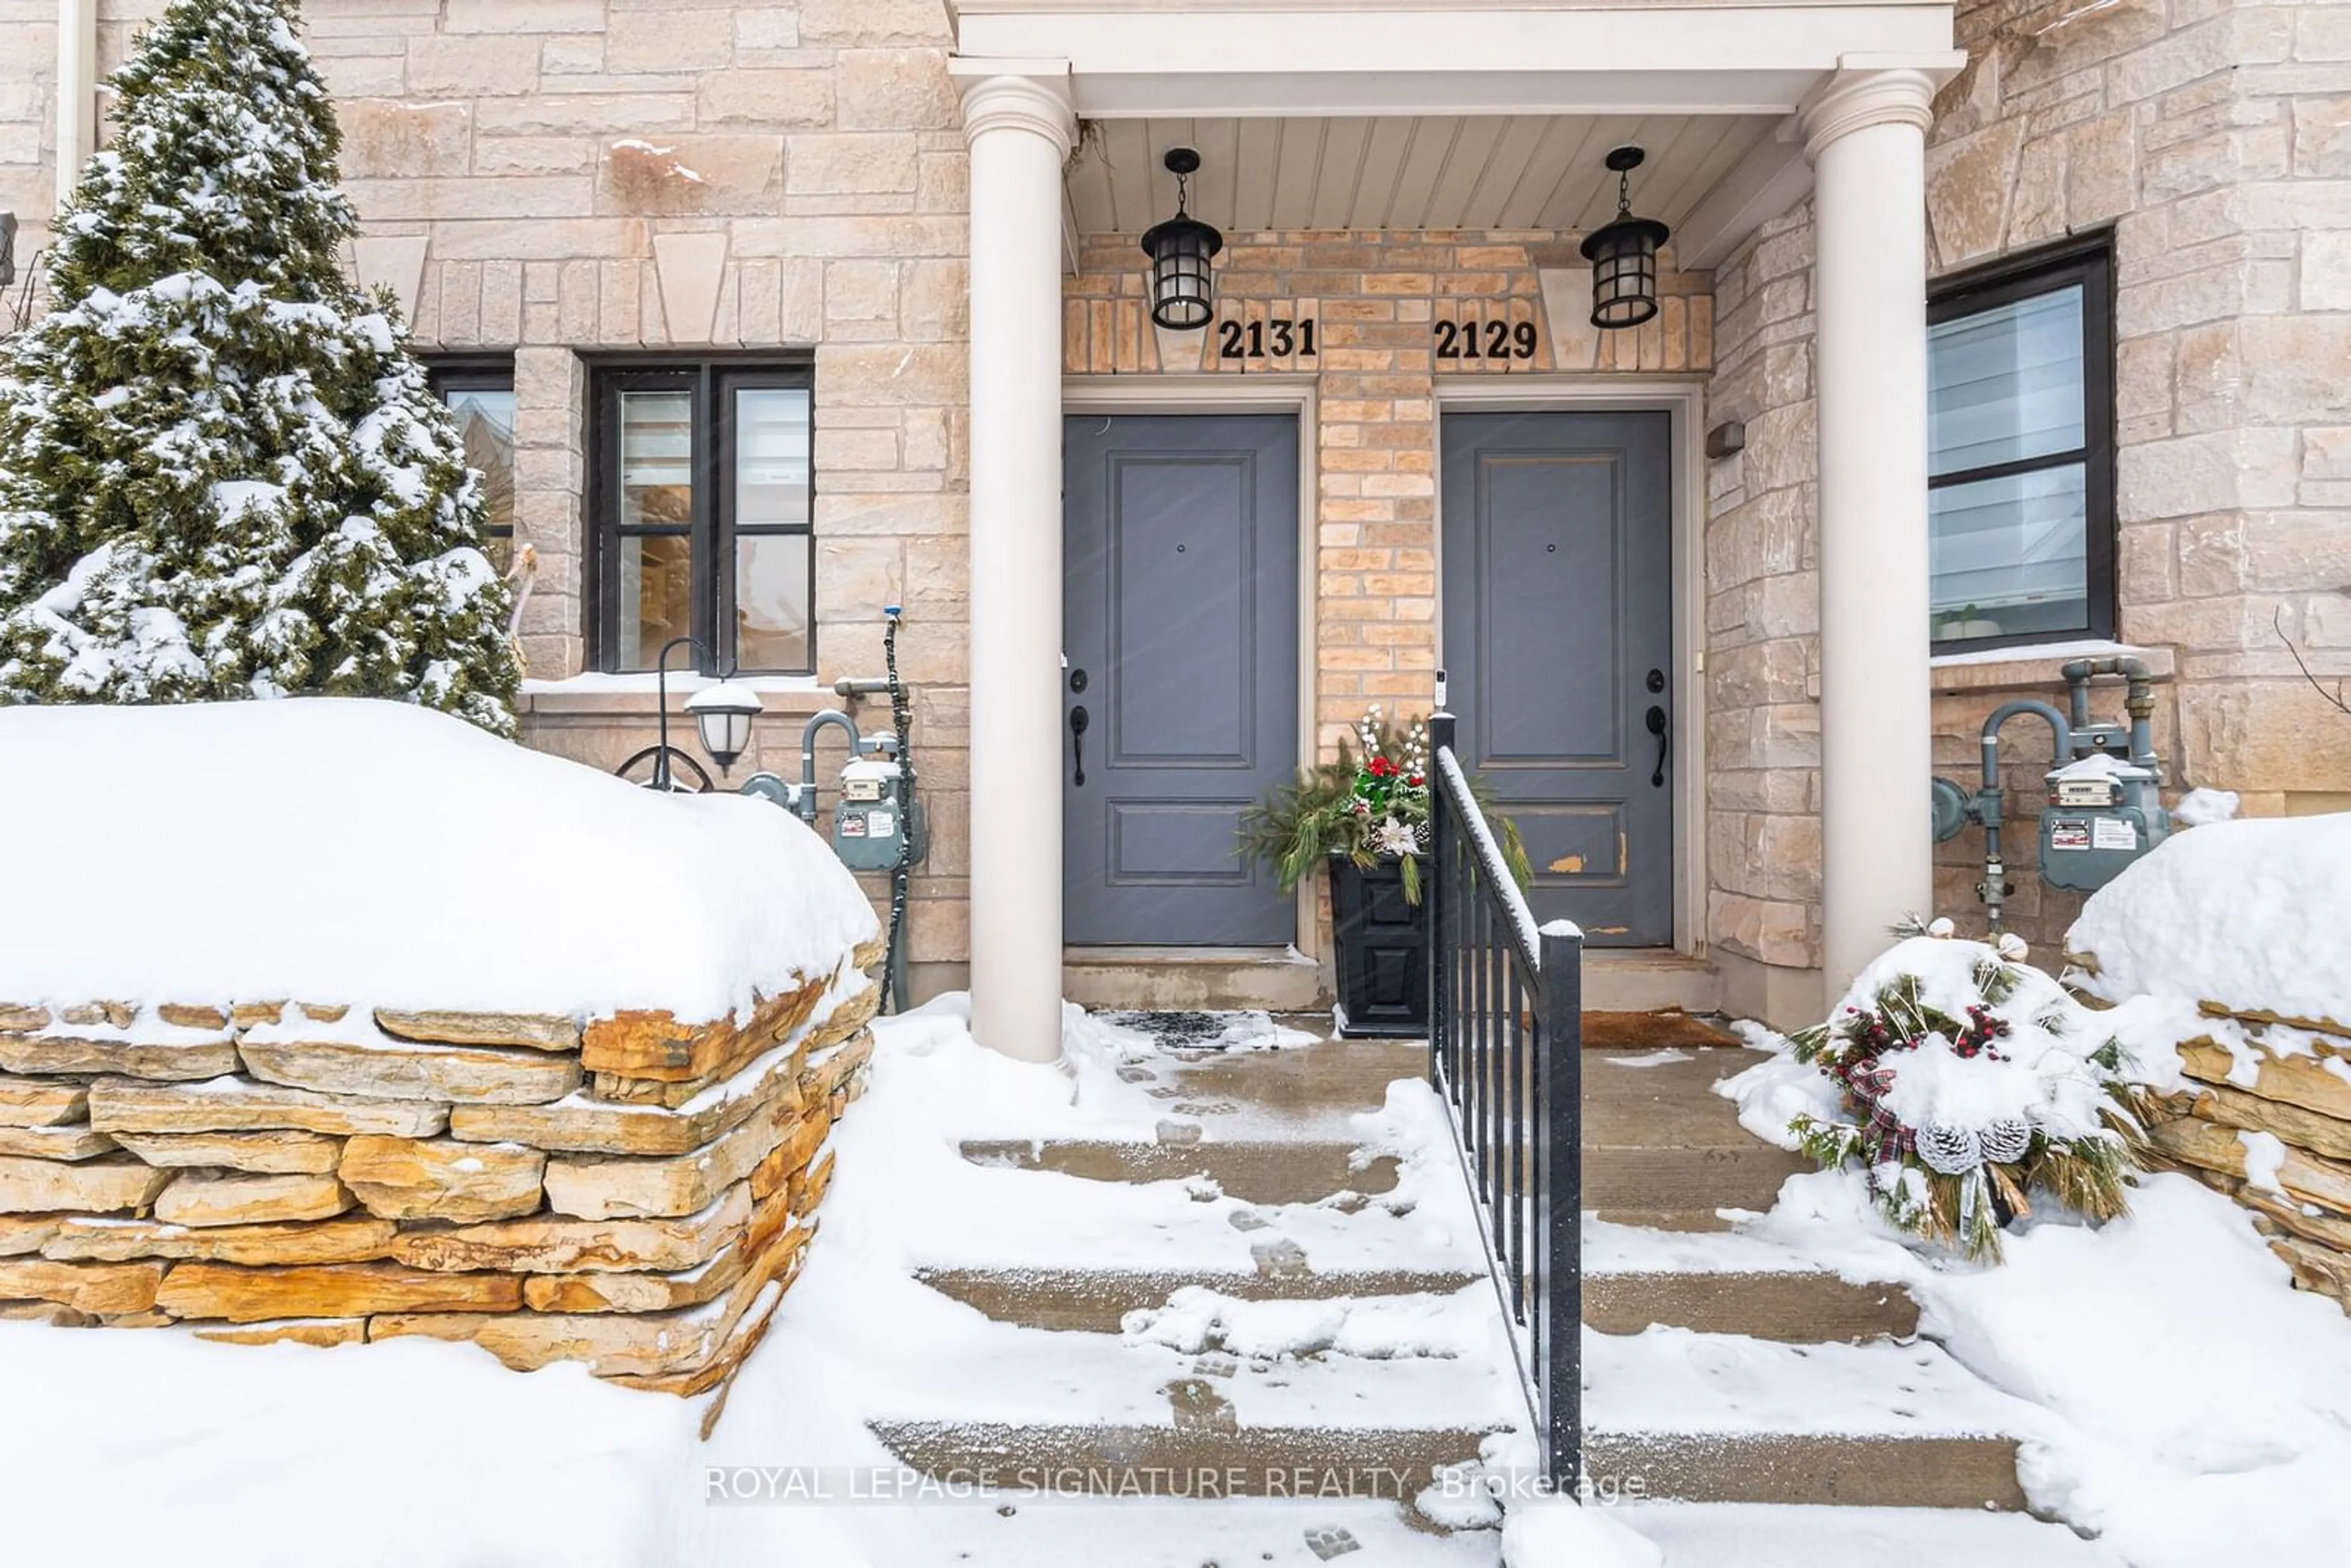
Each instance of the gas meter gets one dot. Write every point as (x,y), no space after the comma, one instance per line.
(2103,810)
(2101,814)
(867,824)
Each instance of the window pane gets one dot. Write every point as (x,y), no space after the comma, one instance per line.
(486,426)
(656,459)
(2010,555)
(2006,383)
(771,457)
(656,595)
(771,601)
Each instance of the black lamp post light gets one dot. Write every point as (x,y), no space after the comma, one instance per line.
(1180,249)
(722,716)
(1624,254)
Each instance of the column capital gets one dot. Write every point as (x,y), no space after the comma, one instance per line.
(1858,95)
(1016,95)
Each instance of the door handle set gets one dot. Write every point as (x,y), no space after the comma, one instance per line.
(1658,727)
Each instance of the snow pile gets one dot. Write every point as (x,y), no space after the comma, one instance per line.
(1562,1533)
(2253,915)
(384,855)
(2200,806)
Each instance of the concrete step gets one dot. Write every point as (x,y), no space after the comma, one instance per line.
(1642,979)
(1795,1307)
(1662,1149)
(1208,1459)
(1269,979)
(1097,1300)
(1268,1171)
(1764,1536)
(1718,1419)
(1959,1472)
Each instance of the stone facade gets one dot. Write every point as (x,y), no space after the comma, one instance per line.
(2208,140)
(567,179)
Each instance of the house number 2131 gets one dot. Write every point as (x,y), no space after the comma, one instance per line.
(1261,339)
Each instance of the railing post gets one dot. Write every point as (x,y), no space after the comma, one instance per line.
(1436,891)
(1560,1151)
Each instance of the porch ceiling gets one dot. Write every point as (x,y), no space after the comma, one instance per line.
(1406,172)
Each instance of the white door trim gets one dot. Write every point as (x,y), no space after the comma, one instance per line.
(1274,393)
(1683,397)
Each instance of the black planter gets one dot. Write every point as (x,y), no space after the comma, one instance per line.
(1381,951)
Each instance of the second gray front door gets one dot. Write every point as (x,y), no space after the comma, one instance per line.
(1558,541)
(1180,700)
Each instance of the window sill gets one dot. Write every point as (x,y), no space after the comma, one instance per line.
(2034,668)
(639,696)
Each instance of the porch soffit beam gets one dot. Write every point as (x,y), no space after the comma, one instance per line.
(1133,58)
(1771,179)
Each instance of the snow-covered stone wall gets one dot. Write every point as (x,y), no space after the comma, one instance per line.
(279,1058)
(2241,927)
(634,1194)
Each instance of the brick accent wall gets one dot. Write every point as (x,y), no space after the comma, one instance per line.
(1377,301)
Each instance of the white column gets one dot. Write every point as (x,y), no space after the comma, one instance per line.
(1865,133)
(1020,128)
(76,90)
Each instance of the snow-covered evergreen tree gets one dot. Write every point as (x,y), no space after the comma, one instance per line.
(222,473)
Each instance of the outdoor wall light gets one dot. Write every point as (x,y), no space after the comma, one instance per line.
(723,714)
(1180,250)
(1624,254)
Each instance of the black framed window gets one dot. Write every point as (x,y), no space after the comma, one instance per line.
(701,514)
(480,393)
(2020,487)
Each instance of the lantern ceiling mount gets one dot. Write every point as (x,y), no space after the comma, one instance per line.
(1180,250)
(1623,254)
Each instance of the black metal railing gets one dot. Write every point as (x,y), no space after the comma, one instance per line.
(1506,1039)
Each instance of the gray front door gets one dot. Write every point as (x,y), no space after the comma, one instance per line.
(1181,626)
(1558,540)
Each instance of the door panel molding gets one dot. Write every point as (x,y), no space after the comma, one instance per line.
(1177,533)
(1296,394)
(1683,397)
(1562,521)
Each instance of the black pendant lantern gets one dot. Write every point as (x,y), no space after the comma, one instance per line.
(1623,255)
(1180,250)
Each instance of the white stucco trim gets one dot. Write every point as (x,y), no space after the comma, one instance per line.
(1131,58)
(1684,397)
(1279,393)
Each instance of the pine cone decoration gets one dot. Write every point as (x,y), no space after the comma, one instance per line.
(1948,1150)
(2005,1140)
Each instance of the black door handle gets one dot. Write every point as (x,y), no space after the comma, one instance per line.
(1657,728)
(1078,722)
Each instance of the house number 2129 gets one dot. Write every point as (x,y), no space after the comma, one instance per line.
(1258,339)
(1502,340)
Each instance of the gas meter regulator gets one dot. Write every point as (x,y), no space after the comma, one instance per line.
(2103,810)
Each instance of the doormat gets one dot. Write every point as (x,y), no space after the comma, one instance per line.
(1651,1031)
(1207,1030)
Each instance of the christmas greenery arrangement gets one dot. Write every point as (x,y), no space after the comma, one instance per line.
(222,472)
(1371,806)
(1965,1082)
